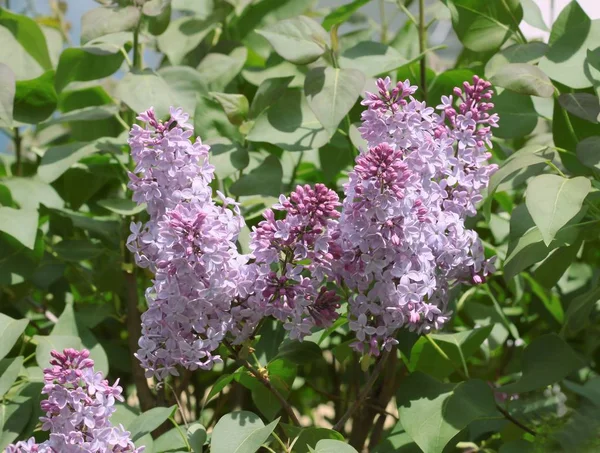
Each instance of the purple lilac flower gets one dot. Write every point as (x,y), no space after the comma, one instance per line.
(78,409)
(402,235)
(292,258)
(189,244)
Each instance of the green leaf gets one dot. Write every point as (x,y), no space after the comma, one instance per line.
(290,124)
(35,99)
(14,416)
(228,157)
(196,437)
(371,58)
(28,33)
(240,432)
(84,64)
(573,33)
(102,21)
(484,27)
(300,40)
(154,8)
(221,382)
(148,421)
(309,437)
(331,93)
(457,346)
(300,352)
(342,13)
(92,113)
(523,78)
(9,371)
(550,300)
(588,152)
(7,95)
(527,246)
(211,123)
(579,312)
(552,268)
(10,331)
(58,159)
(235,106)
(182,36)
(29,193)
(122,206)
(256,76)
(432,413)
(170,441)
(141,90)
(532,15)
(582,105)
(77,249)
(46,344)
(530,52)
(217,70)
(21,224)
(333,446)
(185,84)
(445,82)
(547,360)
(281,375)
(263,180)
(268,92)
(517,113)
(553,200)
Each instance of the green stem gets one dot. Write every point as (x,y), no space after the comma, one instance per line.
(555,168)
(518,31)
(408,13)
(18,152)
(137,50)
(28,358)
(280,442)
(183,436)
(266,447)
(384,21)
(422,46)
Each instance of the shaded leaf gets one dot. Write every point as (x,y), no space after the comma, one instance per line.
(14,416)
(579,311)
(81,64)
(240,432)
(148,421)
(371,58)
(10,331)
(9,371)
(432,413)
(523,78)
(263,180)
(196,437)
(588,152)
(582,105)
(331,93)
(7,95)
(530,52)
(268,92)
(182,36)
(35,99)
(21,224)
(101,21)
(553,200)
(217,70)
(483,27)
(300,40)
(547,360)
(235,106)
(342,13)
(290,124)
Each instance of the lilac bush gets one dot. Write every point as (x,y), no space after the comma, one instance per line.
(78,409)
(394,247)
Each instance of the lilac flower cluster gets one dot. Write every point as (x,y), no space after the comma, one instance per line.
(78,410)
(396,248)
(292,258)
(188,243)
(402,233)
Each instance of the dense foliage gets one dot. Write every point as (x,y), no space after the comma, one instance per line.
(312,242)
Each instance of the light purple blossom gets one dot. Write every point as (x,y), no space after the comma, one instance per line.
(78,409)
(402,234)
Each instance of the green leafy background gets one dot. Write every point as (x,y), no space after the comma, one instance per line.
(274,86)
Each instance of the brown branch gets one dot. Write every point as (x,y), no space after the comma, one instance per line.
(514,420)
(363,393)
(265,381)
(134,329)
